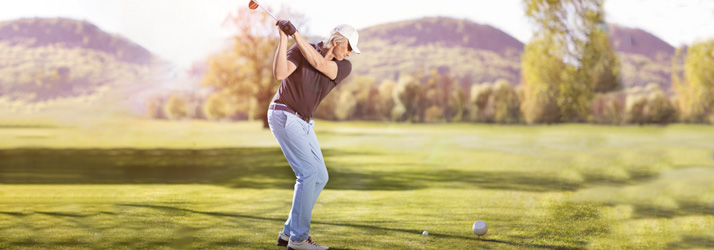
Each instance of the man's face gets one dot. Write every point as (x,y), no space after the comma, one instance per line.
(342,51)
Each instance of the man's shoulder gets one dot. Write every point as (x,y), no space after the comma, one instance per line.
(344,63)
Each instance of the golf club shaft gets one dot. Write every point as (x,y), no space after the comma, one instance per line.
(266,11)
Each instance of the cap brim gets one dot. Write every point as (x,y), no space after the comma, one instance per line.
(354,47)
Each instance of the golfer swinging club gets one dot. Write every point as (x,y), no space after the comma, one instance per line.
(308,73)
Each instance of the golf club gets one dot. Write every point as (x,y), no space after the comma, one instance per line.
(254,5)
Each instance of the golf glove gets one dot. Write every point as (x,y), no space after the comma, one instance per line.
(287,27)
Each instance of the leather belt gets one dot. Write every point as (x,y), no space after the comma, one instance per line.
(283,107)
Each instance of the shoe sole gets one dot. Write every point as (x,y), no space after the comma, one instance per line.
(290,248)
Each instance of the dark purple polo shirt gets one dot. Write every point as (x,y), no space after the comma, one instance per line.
(306,87)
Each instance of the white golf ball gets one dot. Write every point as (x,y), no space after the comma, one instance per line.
(480,228)
(425,233)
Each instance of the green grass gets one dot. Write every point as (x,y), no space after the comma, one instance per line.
(201,185)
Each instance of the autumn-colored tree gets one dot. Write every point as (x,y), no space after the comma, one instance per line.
(245,71)
(176,108)
(480,102)
(407,97)
(385,101)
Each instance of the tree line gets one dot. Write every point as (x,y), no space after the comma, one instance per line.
(570,73)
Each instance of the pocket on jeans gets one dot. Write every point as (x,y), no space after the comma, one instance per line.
(295,125)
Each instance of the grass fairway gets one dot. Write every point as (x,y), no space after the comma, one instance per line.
(136,184)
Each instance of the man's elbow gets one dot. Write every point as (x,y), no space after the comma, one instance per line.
(279,77)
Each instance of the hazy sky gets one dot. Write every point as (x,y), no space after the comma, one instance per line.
(184,31)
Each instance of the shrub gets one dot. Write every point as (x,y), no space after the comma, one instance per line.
(659,109)
(506,104)
(480,102)
(154,108)
(215,108)
(635,106)
(434,114)
(176,108)
(608,108)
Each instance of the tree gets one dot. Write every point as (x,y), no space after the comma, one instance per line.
(407,97)
(176,108)
(696,89)
(215,107)
(659,108)
(385,100)
(480,101)
(506,105)
(601,59)
(541,76)
(245,71)
(367,98)
(568,59)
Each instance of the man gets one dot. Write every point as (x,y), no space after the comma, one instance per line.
(308,73)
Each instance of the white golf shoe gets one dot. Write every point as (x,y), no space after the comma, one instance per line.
(305,245)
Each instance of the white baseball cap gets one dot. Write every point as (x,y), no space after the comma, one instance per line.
(350,33)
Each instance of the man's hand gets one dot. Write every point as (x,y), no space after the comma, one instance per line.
(287,27)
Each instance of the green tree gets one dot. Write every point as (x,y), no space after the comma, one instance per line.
(541,77)
(601,59)
(245,71)
(505,103)
(659,108)
(567,60)
(697,87)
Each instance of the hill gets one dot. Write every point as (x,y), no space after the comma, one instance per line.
(68,33)
(479,53)
(466,50)
(644,57)
(43,59)
(640,42)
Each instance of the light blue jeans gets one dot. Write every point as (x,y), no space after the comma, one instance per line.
(299,144)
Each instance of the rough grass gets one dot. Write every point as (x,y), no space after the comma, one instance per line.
(131,184)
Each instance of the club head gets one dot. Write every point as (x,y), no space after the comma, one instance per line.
(253,4)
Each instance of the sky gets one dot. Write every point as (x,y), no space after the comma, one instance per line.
(185,31)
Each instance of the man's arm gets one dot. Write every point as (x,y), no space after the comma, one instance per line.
(282,68)
(327,67)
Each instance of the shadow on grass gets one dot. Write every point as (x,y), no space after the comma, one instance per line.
(343,179)
(238,168)
(684,208)
(357,226)
(693,242)
(223,166)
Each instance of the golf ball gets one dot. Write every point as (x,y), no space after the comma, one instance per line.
(480,228)
(425,233)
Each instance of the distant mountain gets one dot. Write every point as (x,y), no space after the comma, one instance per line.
(637,41)
(446,32)
(466,50)
(644,57)
(43,59)
(68,33)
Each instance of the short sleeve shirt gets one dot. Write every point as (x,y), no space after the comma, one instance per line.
(306,87)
